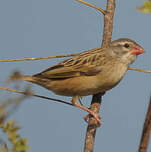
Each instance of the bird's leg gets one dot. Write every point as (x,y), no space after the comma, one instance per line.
(80,100)
(75,103)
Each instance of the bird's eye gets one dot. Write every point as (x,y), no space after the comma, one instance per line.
(126,45)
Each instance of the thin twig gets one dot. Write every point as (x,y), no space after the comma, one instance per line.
(146,131)
(97,8)
(61,56)
(140,70)
(35,95)
(39,58)
(97,99)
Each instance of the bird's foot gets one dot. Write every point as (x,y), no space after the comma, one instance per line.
(91,113)
(97,117)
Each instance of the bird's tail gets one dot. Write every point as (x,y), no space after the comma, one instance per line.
(33,78)
(18,76)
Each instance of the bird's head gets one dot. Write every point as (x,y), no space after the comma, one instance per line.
(125,49)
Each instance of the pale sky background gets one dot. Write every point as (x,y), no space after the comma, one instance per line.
(35,28)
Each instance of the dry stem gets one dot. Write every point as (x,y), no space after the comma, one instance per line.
(39,58)
(140,70)
(34,95)
(96,100)
(61,56)
(97,8)
(146,131)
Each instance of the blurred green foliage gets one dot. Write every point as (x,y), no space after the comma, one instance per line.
(14,143)
(146,7)
(19,144)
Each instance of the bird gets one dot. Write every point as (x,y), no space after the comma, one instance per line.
(90,72)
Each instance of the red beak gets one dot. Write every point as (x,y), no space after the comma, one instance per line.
(137,50)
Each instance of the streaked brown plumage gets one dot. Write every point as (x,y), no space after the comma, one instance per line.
(91,72)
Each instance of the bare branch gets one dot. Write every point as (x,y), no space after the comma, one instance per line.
(140,70)
(39,58)
(146,131)
(108,23)
(88,4)
(97,99)
(35,95)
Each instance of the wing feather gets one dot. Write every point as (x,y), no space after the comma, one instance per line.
(86,63)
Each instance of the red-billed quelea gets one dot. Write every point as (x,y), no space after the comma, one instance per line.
(90,72)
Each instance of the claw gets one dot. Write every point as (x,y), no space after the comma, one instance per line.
(91,113)
(97,117)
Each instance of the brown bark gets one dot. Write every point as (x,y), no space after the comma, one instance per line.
(146,131)
(97,99)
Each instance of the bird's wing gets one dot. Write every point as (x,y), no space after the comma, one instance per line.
(86,63)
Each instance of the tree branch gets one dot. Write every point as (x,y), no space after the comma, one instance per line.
(97,99)
(146,131)
(88,4)
(140,70)
(39,58)
(35,95)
